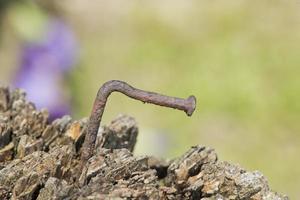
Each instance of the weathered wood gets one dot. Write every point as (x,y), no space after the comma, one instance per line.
(40,160)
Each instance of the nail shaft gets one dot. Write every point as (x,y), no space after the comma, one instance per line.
(187,105)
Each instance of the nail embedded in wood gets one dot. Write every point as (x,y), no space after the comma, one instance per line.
(187,105)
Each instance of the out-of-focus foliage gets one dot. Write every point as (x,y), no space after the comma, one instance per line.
(239,58)
(48,51)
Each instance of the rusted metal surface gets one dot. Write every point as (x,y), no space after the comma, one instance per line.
(187,105)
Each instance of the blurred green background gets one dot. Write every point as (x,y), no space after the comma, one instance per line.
(239,58)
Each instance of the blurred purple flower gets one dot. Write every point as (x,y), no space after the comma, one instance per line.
(57,49)
(43,66)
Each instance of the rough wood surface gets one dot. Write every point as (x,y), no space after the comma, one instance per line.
(40,160)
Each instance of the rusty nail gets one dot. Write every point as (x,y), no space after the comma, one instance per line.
(187,105)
